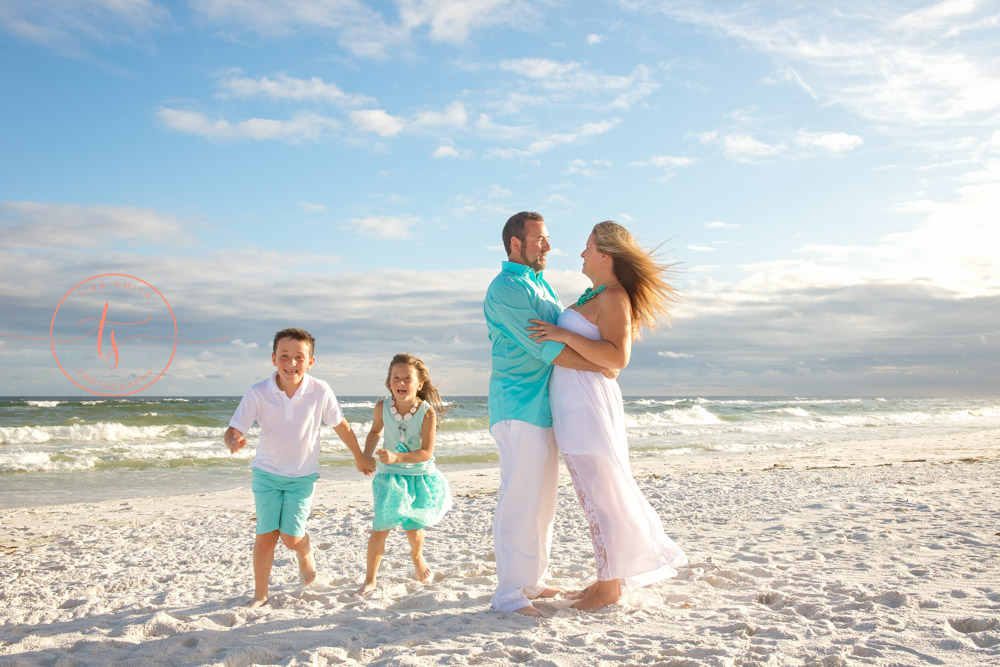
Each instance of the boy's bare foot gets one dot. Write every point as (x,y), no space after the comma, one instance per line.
(529,611)
(366,588)
(307,568)
(423,572)
(257,602)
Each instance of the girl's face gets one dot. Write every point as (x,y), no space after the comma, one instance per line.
(403,382)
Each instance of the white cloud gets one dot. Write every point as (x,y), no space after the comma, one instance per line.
(303,126)
(570,79)
(28,224)
(283,87)
(385,227)
(454,116)
(594,39)
(879,60)
(718,224)
(451,152)
(674,355)
(236,342)
(831,142)
(377,121)
(70,27)
(548,142)
(312,208)
(701,248)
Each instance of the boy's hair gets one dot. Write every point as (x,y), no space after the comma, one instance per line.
(428,392)
(295,334)
(515,227)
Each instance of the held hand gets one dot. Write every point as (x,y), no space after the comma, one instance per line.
(235,441)
(385,456)
(542,331)
(365,464)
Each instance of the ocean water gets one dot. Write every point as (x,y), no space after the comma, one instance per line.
(64,450)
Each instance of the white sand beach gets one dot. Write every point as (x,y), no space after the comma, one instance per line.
(883,553)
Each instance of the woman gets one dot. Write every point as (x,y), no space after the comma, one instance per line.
(629,292)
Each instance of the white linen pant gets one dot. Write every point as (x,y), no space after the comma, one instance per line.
(526,509)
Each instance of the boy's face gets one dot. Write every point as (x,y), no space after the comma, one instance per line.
(292,359)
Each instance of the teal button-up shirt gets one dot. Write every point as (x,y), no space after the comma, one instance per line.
(519,384)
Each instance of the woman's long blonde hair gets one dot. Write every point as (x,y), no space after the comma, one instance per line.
(428,392)
(642,274)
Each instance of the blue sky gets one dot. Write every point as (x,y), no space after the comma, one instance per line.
(827,177)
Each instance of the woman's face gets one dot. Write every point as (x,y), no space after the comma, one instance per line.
(592,257)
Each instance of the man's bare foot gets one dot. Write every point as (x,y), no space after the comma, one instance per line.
(549,593)
(599,595)
(420,565)
(257,602)
(529,611)
(307,568)
(365,589)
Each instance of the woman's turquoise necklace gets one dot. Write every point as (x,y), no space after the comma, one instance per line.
(590,293)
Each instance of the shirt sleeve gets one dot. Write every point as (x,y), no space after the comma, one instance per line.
(332,414)
(509,309)
(246,412)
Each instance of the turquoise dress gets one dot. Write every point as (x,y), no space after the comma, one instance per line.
(411,495)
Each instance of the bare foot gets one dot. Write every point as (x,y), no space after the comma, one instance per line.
(307,568)
(601,594)
(420,565)
(580,594)
(367,588)
(257,602)
(549,593)
(529,611)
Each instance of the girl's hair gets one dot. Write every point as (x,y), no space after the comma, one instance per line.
(428,392)
(641,273)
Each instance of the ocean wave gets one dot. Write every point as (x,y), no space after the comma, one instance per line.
(43,404)
(694,415)
(795,412)
(83,433)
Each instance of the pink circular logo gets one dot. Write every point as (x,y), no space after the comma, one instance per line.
(113,335)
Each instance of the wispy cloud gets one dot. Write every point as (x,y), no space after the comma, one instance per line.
(741,147)
(887,62)
(378,121)
(303,126)
(80,28)
(566,79)
(718,224)
(548,142)
(386,227)
(283,87)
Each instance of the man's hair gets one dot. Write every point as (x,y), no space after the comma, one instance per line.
(295,334)
(515,227)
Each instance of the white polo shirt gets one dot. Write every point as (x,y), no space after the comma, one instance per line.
(289,427)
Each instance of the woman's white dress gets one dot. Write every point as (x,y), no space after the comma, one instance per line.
(588,417)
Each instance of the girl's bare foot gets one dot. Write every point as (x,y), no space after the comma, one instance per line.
(420,565)
(307,568)
(257,602)
(365,589)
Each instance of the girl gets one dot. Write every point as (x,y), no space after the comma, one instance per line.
(408,490)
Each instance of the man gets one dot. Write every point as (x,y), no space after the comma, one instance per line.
(520,417)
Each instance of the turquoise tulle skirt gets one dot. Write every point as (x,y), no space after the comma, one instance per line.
(409,501)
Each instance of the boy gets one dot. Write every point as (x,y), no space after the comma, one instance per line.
(290,407)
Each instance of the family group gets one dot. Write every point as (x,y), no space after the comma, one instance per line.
(553,391)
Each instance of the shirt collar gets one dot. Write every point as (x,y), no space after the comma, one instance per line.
(522,270)
(305,388)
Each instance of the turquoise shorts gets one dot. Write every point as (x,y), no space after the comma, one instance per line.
(282,502)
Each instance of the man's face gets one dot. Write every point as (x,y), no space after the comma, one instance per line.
(535,247)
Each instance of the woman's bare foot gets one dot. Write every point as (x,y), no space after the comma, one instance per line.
(307,568)
(366,588)
(601,594)
(257,602)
